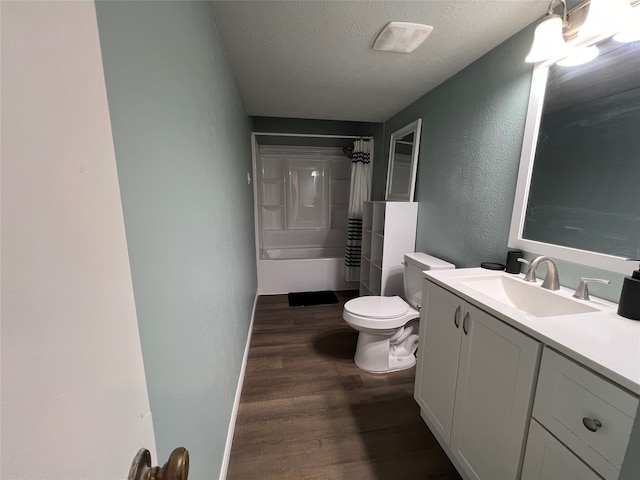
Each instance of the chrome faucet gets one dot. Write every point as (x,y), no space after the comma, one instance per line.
(551,280)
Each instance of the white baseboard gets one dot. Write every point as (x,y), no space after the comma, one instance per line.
(236,403)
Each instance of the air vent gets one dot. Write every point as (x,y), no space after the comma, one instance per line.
(401,37)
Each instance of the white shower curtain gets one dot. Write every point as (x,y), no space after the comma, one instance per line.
(358,194)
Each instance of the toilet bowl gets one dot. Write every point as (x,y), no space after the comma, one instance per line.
(388,325)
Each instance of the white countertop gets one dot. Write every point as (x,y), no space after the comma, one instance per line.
(602,340)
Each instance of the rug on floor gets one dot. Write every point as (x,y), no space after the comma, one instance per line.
(303,299)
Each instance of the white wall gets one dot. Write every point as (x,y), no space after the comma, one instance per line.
(74,398)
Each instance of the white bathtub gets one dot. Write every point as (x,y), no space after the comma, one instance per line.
(285,270)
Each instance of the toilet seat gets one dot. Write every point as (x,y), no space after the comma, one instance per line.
(378,313)
(377,307)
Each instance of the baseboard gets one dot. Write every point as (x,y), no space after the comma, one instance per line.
(236,403)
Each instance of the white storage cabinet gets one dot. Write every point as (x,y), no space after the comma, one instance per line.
(388,232)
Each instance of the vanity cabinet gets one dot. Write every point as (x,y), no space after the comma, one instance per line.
(548,459)
(583,413)
(474,383)
(388,232)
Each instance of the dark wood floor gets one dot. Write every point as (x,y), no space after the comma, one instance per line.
(307,412)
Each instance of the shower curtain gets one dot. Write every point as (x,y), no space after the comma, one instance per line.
(358,194)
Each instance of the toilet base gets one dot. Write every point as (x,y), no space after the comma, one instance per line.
(374,354)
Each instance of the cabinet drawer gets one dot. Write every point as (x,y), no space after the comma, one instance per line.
(589,414)
(548,459)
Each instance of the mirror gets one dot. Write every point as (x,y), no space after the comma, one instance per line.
(577,194)
(403,162)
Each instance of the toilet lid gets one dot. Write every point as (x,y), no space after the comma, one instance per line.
(377,307)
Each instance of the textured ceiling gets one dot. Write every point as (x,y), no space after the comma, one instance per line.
(313,59)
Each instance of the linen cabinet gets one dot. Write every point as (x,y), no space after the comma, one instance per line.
(388,232)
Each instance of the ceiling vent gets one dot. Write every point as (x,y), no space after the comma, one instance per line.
(401,37)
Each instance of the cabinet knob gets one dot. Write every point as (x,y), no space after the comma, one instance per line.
(456,317)
(465,323)
(591,424)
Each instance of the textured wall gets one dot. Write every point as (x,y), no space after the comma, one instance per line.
(472,130)
(182,146)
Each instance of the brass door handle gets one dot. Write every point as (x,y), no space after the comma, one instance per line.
(176,468)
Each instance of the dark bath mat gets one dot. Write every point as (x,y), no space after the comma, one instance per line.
(299,299)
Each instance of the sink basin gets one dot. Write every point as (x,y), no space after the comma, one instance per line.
(530,298)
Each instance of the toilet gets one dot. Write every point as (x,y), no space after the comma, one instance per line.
(388,326)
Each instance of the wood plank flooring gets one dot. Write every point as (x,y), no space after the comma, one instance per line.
(307,412)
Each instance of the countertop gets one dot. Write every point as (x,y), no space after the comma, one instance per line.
(602,340)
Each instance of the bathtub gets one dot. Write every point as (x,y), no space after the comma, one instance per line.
(284,270)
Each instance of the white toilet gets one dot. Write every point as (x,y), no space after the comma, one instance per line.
(388,326)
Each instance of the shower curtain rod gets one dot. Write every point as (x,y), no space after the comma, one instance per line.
(313,135)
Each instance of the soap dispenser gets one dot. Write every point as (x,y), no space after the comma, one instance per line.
(629,306)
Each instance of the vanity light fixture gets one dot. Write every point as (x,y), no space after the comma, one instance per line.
(401,37)
(631,31)
(580,55)
(603,19)
(548,39)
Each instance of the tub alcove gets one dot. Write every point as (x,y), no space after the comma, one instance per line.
(301,199)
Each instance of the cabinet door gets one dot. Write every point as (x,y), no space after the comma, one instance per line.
(548,459)
(493,398)
(438,355)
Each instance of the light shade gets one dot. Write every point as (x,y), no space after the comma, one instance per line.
(401,37)
(605,17)
(548,41)
(631,30)
(579,56)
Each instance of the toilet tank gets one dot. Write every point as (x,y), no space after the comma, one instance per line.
(414,265)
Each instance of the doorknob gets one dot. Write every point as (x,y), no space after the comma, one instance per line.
(176,468)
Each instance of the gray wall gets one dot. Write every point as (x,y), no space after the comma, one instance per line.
(182,143)
(472,131)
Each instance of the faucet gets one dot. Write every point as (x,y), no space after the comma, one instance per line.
(551,280)
(582,292)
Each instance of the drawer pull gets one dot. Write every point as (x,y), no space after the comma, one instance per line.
(591,424)
(465,323)
(456,317)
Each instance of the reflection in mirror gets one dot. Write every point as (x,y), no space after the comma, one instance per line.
(577,196)
(403,162)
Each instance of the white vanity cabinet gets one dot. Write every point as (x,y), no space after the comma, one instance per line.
(583,413)
(388,232)
(548,459)
(474,383)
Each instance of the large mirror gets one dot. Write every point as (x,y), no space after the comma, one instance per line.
(403,162)
(577,197)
